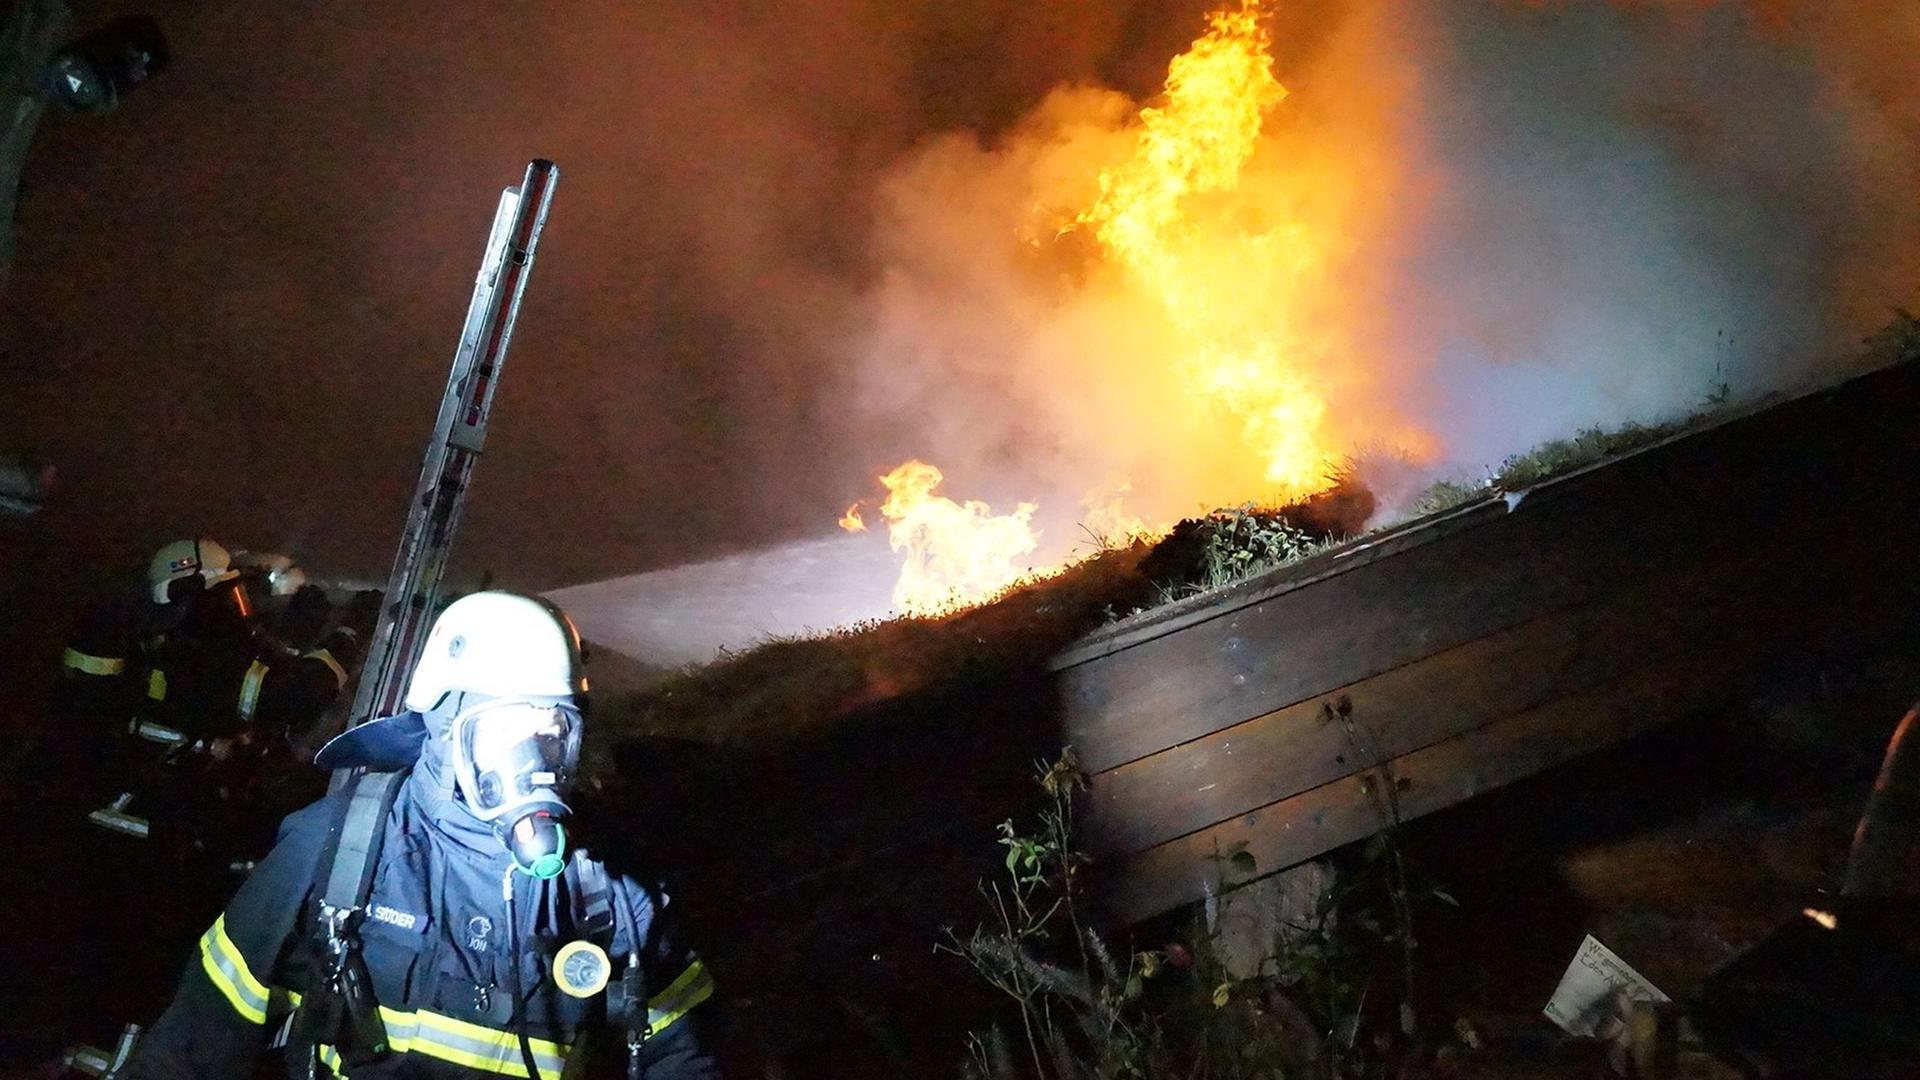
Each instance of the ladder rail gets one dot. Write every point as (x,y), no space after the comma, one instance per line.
(459,436)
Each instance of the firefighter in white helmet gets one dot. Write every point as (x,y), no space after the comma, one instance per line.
(187,668)
(186,568)
(111,666)
(485,943)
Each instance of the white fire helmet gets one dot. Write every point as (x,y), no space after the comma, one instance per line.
(501,645)
(184,560)
(284,577)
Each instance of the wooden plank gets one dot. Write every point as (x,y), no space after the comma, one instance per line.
(1565,546)
(1342,630)
(1329,816)
(1166,795)
(1329,634)
(1316,821)
(1160,797)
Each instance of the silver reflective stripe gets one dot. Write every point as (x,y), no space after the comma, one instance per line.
(692,987)
(159,733)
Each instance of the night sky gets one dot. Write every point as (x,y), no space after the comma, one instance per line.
(235,299)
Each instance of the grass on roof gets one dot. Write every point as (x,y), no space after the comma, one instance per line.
(799,688)
(1897,341)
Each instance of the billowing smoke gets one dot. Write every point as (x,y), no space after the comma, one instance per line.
(1528,219)
(797,244)
(1637,204)
(234,300)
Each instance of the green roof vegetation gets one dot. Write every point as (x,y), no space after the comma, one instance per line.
(797,688)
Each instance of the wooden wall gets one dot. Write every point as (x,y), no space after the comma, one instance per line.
(1488,643)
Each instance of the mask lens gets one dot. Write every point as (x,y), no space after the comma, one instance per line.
(516,751)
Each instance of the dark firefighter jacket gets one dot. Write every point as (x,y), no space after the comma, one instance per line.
(436,945)
(126,659)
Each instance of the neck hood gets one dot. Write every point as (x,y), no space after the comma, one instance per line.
(418,741)
(433,791)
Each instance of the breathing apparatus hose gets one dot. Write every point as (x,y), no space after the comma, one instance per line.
(518,1021)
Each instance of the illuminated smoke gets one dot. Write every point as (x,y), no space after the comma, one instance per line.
(1499,223)
(798,244)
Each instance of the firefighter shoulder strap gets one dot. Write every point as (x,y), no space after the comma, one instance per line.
(339,1010)
(352,851)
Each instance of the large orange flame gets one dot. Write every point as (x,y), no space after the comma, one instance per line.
(1217,280)
(1217,238)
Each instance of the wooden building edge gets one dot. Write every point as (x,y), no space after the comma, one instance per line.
(1471,649)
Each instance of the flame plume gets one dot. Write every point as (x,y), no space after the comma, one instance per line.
(956,553)
(1199,344)
(1222,286)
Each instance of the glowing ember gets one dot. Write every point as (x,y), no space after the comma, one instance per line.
(956,553)
(1827,919)
(851,520)
(1223,286)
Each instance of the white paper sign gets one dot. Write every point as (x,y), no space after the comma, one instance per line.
(1592,994)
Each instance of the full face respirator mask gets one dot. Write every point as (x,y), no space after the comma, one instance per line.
(514,761)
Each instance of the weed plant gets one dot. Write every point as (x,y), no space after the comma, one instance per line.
(1332,999)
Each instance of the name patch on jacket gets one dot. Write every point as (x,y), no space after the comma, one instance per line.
(405,920)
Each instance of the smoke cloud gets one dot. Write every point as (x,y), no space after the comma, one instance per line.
(1638,203)
(797,244)
(1533,218)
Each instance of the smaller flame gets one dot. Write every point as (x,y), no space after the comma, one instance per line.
(1109,523)
(851,520)
(957,554)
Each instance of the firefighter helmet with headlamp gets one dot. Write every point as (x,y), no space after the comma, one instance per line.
(185,567)
(281,575)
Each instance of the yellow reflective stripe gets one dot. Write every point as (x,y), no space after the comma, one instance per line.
(227,969)
(325,657)
(281,1001)
(692,987)
(156,685)
(89,664)
(468,1044)
(433,1035)
(461,1043)
(250,689)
